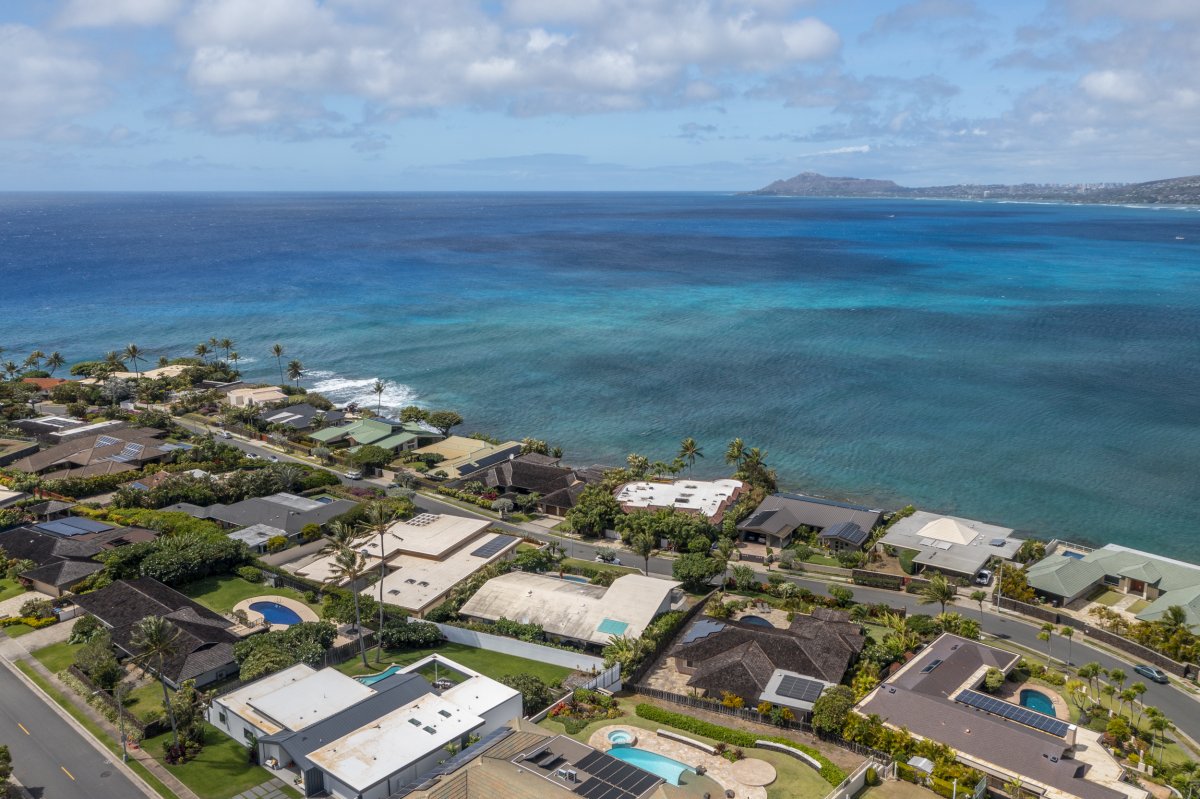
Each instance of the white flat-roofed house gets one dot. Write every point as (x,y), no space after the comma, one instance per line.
(585,614)
(425,557)
(245,397)
(707,498)
(347,739)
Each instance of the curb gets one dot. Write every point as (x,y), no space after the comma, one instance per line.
(112,758)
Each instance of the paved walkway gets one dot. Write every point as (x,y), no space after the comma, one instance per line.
(271,789)
(12,605)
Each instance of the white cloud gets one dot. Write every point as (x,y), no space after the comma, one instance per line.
(1120,86)
(108,13)
(46,82)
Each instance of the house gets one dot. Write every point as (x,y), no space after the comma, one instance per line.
(44,385)
(246,397)
(360,739)
(461,455)
(588,615)
(707,498)
(81,528)
(843,537)
(301,417)
(521,475)
(120,450)
(203,646)
(424,558)
(8,497)
(779,516)
(1066,574)
(384,433)
(950,545)
(171,370)
(12,449)
(60,563)
(557,503)
(153,481)
(55,429)
(937,695)
(763,663)
(285,512)
(50,509)
(523,761)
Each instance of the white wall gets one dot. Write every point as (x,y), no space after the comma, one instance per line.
(235,726)
(511,646)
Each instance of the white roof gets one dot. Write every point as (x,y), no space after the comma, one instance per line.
(94,427)
(240,702)
(256,534)
(477,694)
(951,543)
(415,582)
(705,497)
(8,497)
(295,502)
(373,753)
(300,703)
(430,534)
(574,610)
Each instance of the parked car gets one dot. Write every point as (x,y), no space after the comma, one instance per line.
(252,456)
(354,474)
(273,458)
(226,434)
(610,559)
(984,577)
(1151,673)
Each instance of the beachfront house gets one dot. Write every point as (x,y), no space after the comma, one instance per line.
(386,434)
(425,557)
(301,417)
(938,695)
(777,518)
(247,397)
(707,498)
(458,456)
(578,613)
(333,735)
(950,545)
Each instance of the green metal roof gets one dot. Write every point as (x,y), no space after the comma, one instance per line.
(1063,576)
(1186,598)
(393,441)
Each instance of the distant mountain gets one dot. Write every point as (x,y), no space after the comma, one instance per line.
(1176,191)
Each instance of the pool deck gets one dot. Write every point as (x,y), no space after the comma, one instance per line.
(716,767)
(256,619)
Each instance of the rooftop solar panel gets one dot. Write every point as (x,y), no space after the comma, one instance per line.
(1017,713)
(107,441)
(88,525)
(495,545)
(800,689)
(58,528)
(612,778)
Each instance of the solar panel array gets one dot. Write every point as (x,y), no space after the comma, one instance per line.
(1021,715)
(72,525)
(800,689)
(107,441)
(612,779)
(495,545)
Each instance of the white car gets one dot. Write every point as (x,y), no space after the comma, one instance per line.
(273,458)
(984,577)
(612,560)
(354,475)
(226,434)
(252,456)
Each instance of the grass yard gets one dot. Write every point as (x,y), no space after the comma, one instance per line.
(626,557)
(795,780)
(822,560)
(877,631)
(222,593)
(1108,598)
(1138,606)
(145,702)
(492,664)
(222,769)
(10,588)
(906,560)
(17,630)
(57,657)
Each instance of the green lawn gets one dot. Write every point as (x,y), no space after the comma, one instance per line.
(877,631)
(17,630)
(1108,598)
(222,769)
(146,701)
(57,657)
(795,780)
(222,593)
(10,588)
(822,560)
(906,559)
(626,557)
(492,664)
(1138,606)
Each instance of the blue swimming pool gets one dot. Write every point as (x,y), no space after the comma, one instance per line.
(757,621)
(666,768)
(383,675)
(276,613)
(1036,700)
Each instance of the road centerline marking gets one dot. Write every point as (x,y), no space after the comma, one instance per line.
(69,774)
(22,726)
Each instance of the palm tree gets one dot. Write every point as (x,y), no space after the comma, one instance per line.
(1138,689)
(689,450)
(1159,724)
(277,351)
(644,545)
(157,639)
(234,357)
(295,371)
(378,520)
(202,350)
(35,358)
(227,345)
(1068,632)
(1090,672)
(289,475)
(342,535)
(114,359)
(348,568)
(980,597)
(1047,635)
(938,590)
(1109,690)
(378,388)
(54,360)
(11,369)
(735,452)
(134,353)
(1128,695)
(1117,677)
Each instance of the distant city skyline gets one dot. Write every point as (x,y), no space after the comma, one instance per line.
(515,95)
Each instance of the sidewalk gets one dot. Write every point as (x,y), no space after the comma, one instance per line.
(12,651)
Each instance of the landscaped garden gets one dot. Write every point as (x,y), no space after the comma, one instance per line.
(221,769)
(496,665)
(222,592)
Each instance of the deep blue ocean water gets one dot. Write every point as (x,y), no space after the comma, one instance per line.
(1030,365)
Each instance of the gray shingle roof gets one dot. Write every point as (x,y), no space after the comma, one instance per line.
(815,512)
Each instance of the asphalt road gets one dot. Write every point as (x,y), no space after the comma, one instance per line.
(1181,708)
(50,757)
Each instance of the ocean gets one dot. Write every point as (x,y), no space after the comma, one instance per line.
(1028,365)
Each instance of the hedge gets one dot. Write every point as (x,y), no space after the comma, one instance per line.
(830,771)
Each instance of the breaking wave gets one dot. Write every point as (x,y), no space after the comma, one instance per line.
(343,390)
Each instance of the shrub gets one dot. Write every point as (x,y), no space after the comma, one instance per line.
(411,635)
(993,680)
(830,772)
(251,574)
(37,608)
(277,543)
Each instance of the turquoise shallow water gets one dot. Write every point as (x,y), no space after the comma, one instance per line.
(1031,365)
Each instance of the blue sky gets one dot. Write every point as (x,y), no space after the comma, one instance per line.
(592,94)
